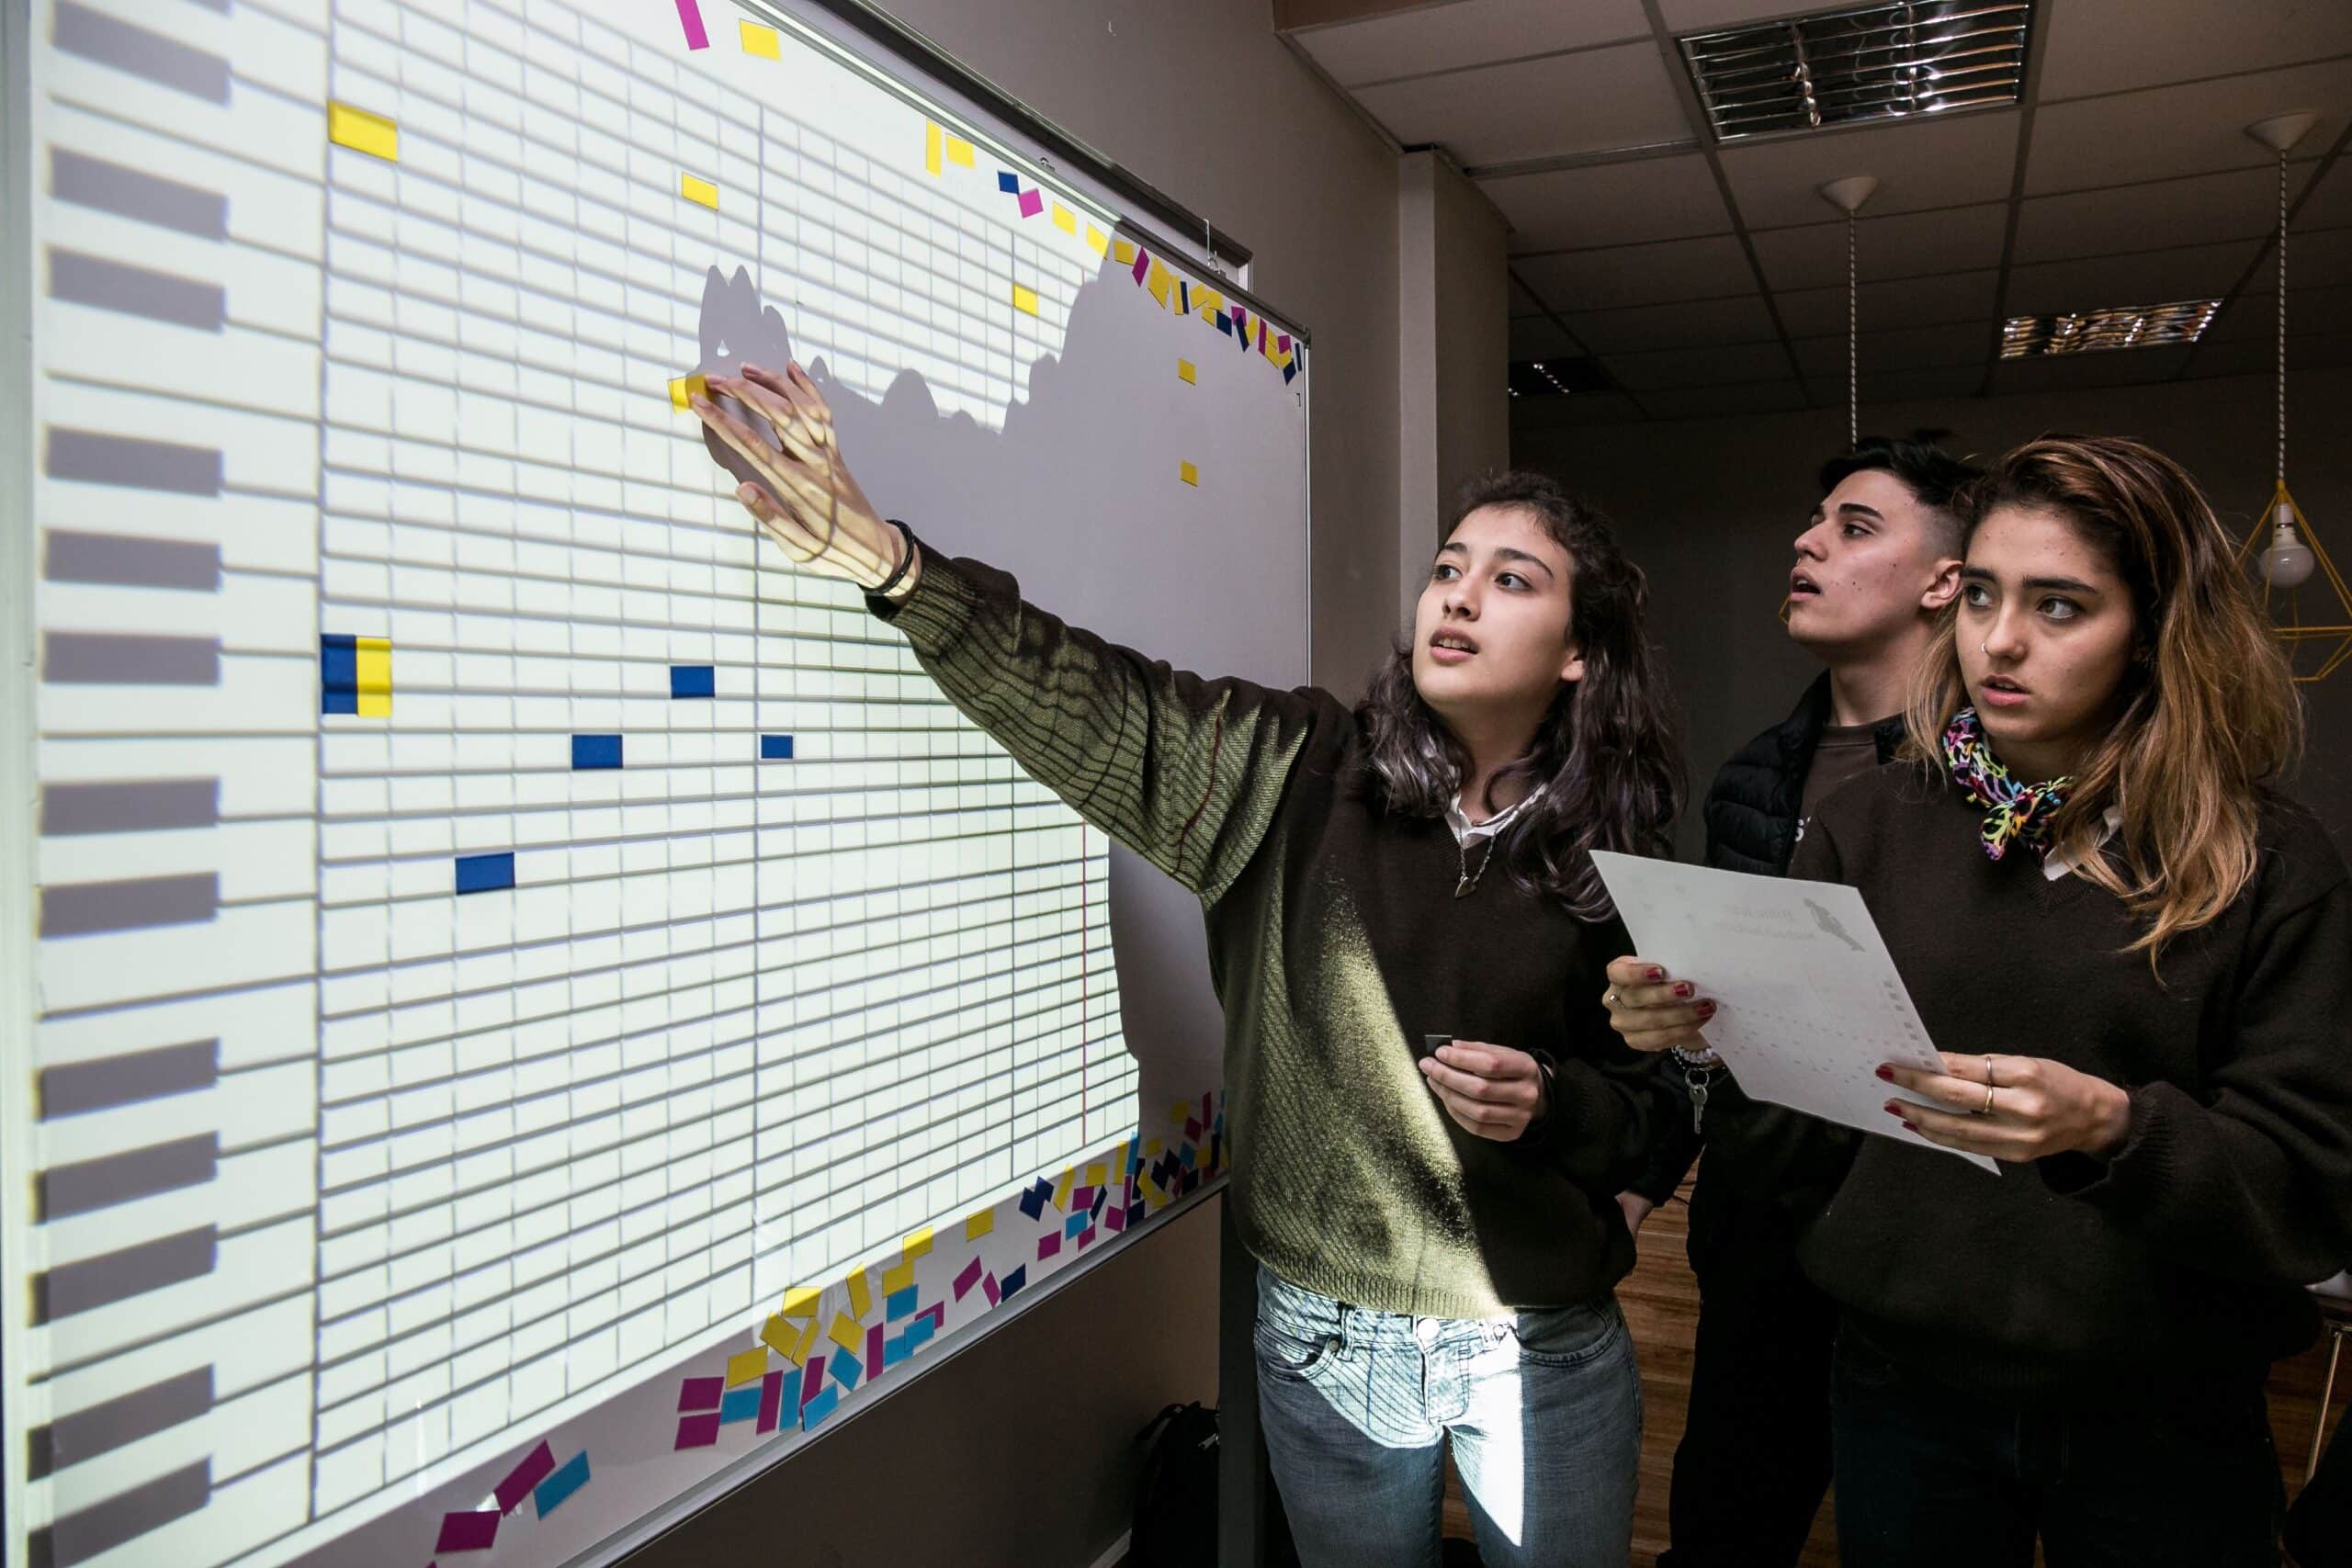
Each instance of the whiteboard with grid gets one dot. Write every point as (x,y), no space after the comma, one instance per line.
(509,956)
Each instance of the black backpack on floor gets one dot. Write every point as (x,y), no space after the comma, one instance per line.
(1175,1524)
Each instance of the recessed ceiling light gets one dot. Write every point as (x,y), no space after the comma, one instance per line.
(1860,63)
(2117,326)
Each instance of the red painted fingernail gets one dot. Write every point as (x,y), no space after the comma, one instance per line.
(1682,988)
(1706,1010)
(1910,1126)
(1656,973)
(1886,1072)
(1894,1109)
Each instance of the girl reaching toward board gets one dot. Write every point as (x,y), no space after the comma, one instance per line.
(1437,1230)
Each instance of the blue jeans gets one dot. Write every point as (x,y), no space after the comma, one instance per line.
(1544,1410)
(1933,1476)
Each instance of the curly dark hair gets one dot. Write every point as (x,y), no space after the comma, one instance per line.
(1606,757)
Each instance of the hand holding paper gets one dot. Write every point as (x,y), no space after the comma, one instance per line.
(1809,1005)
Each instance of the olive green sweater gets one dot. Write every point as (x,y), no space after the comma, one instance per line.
(1334,939)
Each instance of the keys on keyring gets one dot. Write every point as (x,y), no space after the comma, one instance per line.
(1696,1082)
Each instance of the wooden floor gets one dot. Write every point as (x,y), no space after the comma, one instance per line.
(1661,1302)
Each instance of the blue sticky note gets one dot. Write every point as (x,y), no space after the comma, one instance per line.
(1074,1224)
(1008,182)
(897,1305)
(919,1332)
(740,1404)
(1033,1202)
(776,748)
(570,1477)
(816,1409)
(1135,1213)
(693,680)
(845,1368)
(894,1351)
(1009,1286)
(1184,295)
(485,873)
(338,673)
(595,751)
(1225,325)
(1288,371)
(790,1400)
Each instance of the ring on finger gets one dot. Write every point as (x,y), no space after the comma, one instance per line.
(1609,1000)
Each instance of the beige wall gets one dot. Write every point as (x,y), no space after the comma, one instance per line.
(1709,508)
(1453,339)
(1020,1449)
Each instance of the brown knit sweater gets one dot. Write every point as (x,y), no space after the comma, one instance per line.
(1334,939)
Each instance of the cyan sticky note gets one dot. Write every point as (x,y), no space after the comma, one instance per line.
(570,1478)
(898,1305)
(845,1368)
(816,1409)
(741,1404)
(595,751)
(1074,1224)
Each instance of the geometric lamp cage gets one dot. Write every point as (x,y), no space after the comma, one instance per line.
(2313,620)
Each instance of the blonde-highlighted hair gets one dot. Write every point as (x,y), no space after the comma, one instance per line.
(2207,714)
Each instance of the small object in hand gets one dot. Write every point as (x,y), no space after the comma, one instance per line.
(1430,1045)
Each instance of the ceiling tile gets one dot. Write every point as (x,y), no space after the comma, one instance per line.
(2145,277)
(1540,337)
(1707,16)
(1708,367)
(2311,351)
(2315,260)
(2164,212)
(1740,320)
(1500,113)
(1902,348)
(2330,204)
(1940,160)
(1639,275)
(2107,46)
(1704,403)
(1914,386)
(1911,301)
(2166,132)
(2309,308)
(1610,204)
(1535,415)
(1448,37)
(1908,244)
(2118,367)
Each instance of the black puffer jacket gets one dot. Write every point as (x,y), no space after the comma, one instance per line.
(1752,820)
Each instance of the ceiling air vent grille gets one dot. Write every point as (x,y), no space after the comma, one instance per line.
(2118,326)
(1853,66)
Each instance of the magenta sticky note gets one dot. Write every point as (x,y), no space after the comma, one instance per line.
(1116,1217)
(968,1278)
(812,1378)
(1143,263)
(1048,1245)
(467,1532)
(1032,202)
(874,1352)
(701,1394)
(536,1466)
(690,17)
(771,1400)
(1085,1238)
(988,1283)
(698,1431)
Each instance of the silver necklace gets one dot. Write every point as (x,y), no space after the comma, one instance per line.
(1466,883)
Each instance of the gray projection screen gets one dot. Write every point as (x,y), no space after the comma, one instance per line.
(524,1009)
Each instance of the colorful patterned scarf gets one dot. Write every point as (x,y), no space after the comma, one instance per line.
(2014,812)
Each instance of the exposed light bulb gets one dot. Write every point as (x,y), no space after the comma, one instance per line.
(2288,563)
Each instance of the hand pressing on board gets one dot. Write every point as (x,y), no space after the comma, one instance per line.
(805,498)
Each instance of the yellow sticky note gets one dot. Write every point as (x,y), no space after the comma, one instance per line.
(685,387)
(746,1366)
(896,1278)
(1025,299)
(375,676)
(1186,373)
(1188,474)
(980,1224)
(861,1294)
(1097,240)
(919,1244)
(1125,252)
(931,149)
(701,191)
(1064,219)
(959,151)
(847,1335)
(808,1343)
(1061,1189)
(1098,1174)
(1181,1109)
(363,132)
(1158,281)
(1152,1148)
(762,41)
(800,1302)
(1209,303)
(777,1336)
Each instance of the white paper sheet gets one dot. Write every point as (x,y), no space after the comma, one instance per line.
(1808,1001)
